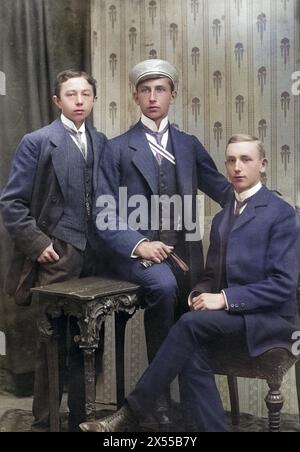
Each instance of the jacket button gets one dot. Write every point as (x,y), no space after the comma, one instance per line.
(54,199)
(232,306)
(44,224)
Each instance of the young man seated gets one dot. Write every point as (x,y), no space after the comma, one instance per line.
(249,291)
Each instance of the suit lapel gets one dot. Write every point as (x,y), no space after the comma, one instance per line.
(245,217)
(258,200)
(144,161)
(184,162)
(143,158)
(60,154)
(96,152)
(225,219)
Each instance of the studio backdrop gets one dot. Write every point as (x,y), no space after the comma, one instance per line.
(236,59)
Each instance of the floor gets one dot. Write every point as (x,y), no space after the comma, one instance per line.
(15,416)
(10,402)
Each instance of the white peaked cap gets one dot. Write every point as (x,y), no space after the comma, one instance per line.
(151,69)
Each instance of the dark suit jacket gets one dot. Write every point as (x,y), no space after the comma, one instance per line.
(33,200)
(262,270)
(128,162)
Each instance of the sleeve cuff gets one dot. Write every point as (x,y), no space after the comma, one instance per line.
(192,295)
(133,255)
(225,299)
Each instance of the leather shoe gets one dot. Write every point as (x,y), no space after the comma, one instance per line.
(162,413)
(122,420)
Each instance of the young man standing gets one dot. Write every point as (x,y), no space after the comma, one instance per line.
(46,208)
(248,292)
(151,160)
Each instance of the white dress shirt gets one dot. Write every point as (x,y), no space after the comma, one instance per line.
(247,194)
(152,126)
(67,122)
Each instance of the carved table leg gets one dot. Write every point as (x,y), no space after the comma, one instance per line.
(47,328)
(90,383)
(126,306)
(53,374)
(274,402)
(90,317)
(234,399)
(121,319)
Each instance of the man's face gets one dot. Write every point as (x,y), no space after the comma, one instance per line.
(154,98)
(244,165)
(76,100)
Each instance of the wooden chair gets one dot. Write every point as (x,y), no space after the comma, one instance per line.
(270,366)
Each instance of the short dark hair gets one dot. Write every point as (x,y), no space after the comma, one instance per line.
(64,76)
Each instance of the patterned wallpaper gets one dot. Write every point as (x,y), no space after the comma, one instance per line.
(236,59)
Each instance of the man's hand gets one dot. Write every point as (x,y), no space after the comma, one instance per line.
(48,256)
(208,301)
(156,252)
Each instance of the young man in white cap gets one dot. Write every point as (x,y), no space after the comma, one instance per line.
(154,159)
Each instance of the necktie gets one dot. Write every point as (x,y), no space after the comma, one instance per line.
(239,205)
(158,137)
(78,137)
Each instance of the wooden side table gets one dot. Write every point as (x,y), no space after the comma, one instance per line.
(90,300)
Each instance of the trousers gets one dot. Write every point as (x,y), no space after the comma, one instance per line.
(186,352)
(162,287)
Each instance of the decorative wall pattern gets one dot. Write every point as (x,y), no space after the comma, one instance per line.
(235,58)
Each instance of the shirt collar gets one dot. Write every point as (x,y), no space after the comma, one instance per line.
(151,124)
(67,122)
(248,193)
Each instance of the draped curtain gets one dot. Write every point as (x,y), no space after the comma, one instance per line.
(38,39)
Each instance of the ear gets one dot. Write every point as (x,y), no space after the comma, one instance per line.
(173,97)
(56,101)
(264,165)
(136,98)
